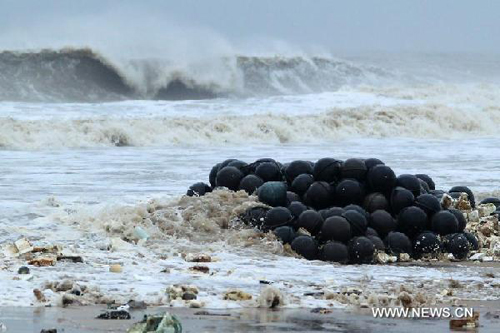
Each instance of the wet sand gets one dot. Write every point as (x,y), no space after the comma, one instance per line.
(82,319)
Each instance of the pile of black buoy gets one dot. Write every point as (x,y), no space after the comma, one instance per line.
(345,211)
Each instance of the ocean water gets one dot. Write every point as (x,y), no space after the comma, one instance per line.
(68,170)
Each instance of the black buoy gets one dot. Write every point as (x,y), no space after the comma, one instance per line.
(310,220)
(397,243)
(296,168)
(333,211)
(336,228)
(458,245)
(240,165)
(273,194)
(381,178)
(269,171)
(349,191)
(334,252)
(470,194)
(213,174)
(285,234)
(409,182)
(319,195)
(437,193)
(371,232)
(462,222)
(412,221)
(357,208)
(424,188)
(444,223)
(401,198)
(375,201)
(198,190)
(495,201)
(250,183)
(428,180)
(305,246)
(327,170)
(428,203)
(254,216)
(379,244)
(354,168)
(357,221)
(473,242)
(361,250)
(371,162)
(426,242)
(296,208)
(291,197)
(382,222)
(229,177)
(226,163)
(301,183)
(277,217)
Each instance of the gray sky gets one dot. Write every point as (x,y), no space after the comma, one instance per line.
(333,26)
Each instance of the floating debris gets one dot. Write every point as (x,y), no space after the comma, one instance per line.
(23,270)
(116,268)
(159,324)
(197,257)
(236,295)
(115,315)
(465,323)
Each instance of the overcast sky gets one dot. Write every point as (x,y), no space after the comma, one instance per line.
(333,26)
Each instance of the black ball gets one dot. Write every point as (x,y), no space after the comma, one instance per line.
(473,242)
(250,183)
(357,221)
(427,179)
(198,189)
(412,220)
(444,223)
(354,168)
(296,168)
(334,211)
(240,165)
(397,242)
(401,198)
(381,178)
(371,162)
(296,208)
(495,201)
(277,217)
(254,216)
(371,232)
(327,170)
(382,222)
(336,228)
(213,174)
(285,234)
(375,201)
(319,195)
(462,222)
(437,193)
(305,246)
(269,171)
(291,197)
(310,220)
(273,194)
(379,244)
(349,191)
(226,163)
(426,242)
(428,203)
(460,189)
(335,252)
(409,182)
(424,188)
(357,208)
(361,250)
(301,183)
(458,245)
(229,177)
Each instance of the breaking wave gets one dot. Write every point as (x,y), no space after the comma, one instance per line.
(431,121)
(83,75)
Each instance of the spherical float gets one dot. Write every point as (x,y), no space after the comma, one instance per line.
(357,221)
(301,183)
(382,222)
(273,194)
(213,174)
(458,245)
(371,232)
(250,183)
(460,189)
(229,177)
(319,195)
(198,189)
(397,243)
(381,178)
(426,242)
(428,203)
(336,228)
(409,182)
(296,168)
(291,197)
(495,201)
(240,165)
(254,216)
(296,208)
(310,220)
(285,234)
(377,242)
(305,246)
(334,252)
(269,171)
(371,162)
(349,191)
(277,217)
(444,223)
(375,201)
(462,222)
(412,220)
(401,198)
(473,242)
(427,179)
(327,170)
(354,168)
(361,250)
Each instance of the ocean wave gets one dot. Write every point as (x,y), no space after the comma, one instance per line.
(84,75)
(431,121)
